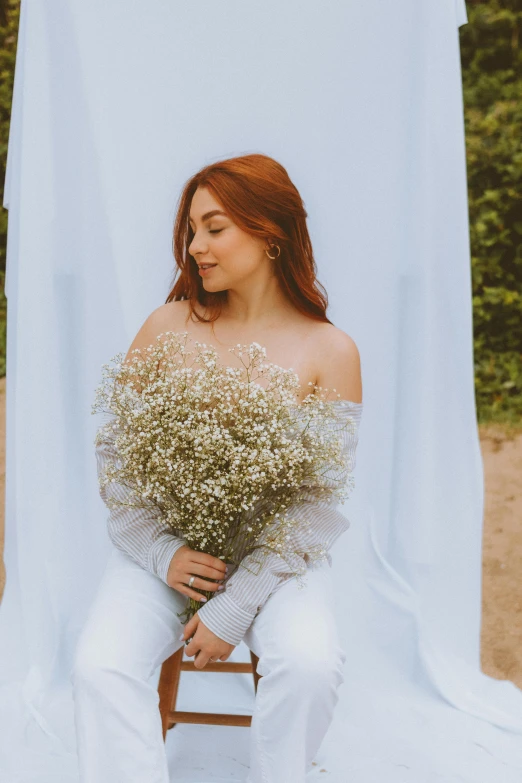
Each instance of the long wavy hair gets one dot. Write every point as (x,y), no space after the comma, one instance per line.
(257,193)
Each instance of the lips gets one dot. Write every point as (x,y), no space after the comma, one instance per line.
(203,271)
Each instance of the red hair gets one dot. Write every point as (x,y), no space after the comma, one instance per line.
(257,193)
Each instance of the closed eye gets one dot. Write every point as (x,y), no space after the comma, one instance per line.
(216,231)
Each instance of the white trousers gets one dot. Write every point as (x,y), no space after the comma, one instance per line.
(132,627)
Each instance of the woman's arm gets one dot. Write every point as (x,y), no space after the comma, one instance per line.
(231,612)
(136,531)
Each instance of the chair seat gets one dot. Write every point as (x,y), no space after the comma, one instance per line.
(168,687)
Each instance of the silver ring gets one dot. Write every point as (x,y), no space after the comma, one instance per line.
(191,581)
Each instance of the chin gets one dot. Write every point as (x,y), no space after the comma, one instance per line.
(213,286)
(213,289)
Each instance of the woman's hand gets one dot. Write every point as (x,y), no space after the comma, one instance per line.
(205,645)
(187,562)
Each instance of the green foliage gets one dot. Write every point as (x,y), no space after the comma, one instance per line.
(492,82)
(9,18)
(8,37)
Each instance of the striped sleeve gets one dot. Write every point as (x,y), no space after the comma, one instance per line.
(138,532)
(230,613)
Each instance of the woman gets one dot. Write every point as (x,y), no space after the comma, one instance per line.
(247,274)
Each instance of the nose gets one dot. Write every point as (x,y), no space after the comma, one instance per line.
(196,246)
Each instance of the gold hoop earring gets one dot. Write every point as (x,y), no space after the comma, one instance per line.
(278,254)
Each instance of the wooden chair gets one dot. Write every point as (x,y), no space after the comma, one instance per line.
(168,691)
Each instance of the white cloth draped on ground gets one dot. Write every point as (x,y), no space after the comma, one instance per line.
(115,106)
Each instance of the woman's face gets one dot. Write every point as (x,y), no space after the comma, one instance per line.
(237,256)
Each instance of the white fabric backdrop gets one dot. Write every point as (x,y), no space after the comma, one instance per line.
(116,104)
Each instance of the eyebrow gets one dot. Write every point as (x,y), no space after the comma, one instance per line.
(210,214)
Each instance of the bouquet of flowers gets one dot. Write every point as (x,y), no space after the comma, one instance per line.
(218,456)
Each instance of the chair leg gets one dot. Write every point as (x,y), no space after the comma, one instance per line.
(257,677)
(168,687)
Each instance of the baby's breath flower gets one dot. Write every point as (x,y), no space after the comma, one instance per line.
(221,457)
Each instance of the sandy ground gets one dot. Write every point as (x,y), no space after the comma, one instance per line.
(501,634)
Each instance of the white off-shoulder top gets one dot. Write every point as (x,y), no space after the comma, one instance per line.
(145,538)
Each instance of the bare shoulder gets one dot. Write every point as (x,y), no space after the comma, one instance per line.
(167,317)
(338,363)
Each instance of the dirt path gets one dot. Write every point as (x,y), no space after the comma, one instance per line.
(501,637)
